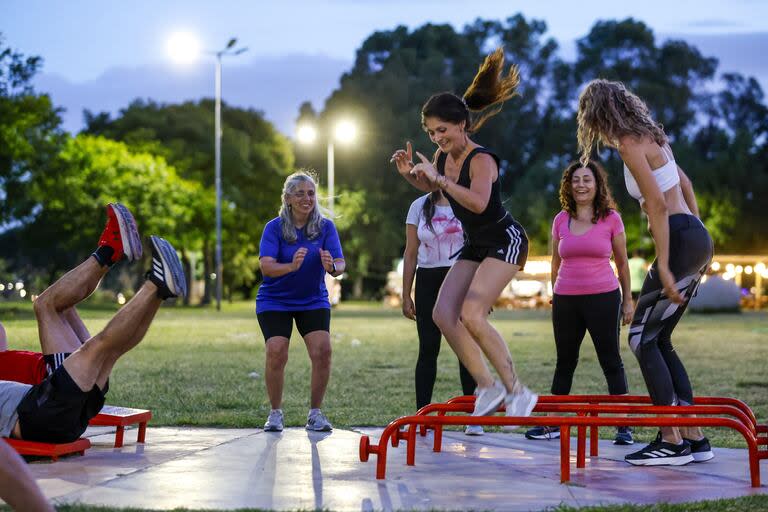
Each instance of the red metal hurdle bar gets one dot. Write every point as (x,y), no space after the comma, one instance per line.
(587,409)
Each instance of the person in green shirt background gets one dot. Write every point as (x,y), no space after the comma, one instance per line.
(638,268)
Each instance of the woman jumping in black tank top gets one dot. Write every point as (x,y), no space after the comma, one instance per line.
(495,247)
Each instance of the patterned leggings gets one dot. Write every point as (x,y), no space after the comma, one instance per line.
(650,336)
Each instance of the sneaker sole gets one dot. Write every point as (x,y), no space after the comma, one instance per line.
(618,442)
(703,456)
(273,429)
(662,461)
(173,273)
(323,429)
(474,434)
(547,437)
(129,233)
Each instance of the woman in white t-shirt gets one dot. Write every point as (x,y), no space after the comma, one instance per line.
(433,237)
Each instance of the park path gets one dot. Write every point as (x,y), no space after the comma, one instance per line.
(237,468)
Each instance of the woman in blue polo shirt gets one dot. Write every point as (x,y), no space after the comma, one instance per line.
(297,249)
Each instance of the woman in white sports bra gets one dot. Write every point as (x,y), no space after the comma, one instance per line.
(611,115)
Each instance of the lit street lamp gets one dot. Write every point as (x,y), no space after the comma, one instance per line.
(184,48)
(344,132)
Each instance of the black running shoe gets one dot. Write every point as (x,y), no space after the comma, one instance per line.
(543,433)
(166,272)
(701,450)
(623,436)
(661,453)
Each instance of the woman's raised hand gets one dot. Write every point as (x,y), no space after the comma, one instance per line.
(403,159)
(424,169)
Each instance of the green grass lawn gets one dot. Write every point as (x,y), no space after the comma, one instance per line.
(195,365)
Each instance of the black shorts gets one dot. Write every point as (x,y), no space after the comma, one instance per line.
(57,410)
(53,361)
(280,323)
(508,243)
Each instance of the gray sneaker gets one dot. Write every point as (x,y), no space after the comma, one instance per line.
(473,430)
(274,421)
(488,399)
(317,421)
(520,404)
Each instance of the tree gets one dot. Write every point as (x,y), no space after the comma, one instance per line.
(255,160)
(30,134)
(91,172)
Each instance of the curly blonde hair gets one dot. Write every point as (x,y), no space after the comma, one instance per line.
(607,112)
(489,88)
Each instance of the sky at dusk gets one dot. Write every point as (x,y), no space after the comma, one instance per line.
(101,55)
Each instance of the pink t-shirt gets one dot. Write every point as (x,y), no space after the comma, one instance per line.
(585,266)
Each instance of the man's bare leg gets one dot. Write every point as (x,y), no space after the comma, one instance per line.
(122,333)
(92,362)
(72,317)
(56,333)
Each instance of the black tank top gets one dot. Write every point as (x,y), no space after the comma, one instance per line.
(495,215)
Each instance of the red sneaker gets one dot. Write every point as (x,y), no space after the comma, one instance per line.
(121,234)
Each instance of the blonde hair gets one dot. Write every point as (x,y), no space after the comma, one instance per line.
(489,88)
(607,112)
(314,222)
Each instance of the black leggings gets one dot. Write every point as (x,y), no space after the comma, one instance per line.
(572,316)
(650,336)
(428,282)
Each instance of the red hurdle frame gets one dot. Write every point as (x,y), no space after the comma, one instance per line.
(732,413)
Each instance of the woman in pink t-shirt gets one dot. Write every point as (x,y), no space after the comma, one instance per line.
(586,292)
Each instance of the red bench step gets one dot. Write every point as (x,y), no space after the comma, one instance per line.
(121,417)
(52,450)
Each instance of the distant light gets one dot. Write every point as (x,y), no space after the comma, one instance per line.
(213,276)
(764,273)
(760,267)
(538,267)
(345,131)
(2,287)
(739,269)
(748,270)
(22,293)
(33,297)
(19,285)
(306,134)
(730,268)
(728,276)
(183,47)
(716,266)
(120,299)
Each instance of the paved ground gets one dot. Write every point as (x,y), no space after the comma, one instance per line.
(237,468)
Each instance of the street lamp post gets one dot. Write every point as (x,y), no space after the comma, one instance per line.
(184,47)
(344,131)
(228,50)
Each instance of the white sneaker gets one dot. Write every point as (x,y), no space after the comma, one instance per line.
(489,399)
(274,421)
(317,421)
(520,404)
(473,430)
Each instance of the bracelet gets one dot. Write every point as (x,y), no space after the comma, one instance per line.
(442,182)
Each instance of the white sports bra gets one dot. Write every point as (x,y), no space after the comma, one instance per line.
(666,176)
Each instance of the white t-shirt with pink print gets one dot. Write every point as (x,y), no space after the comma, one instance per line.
(436,248)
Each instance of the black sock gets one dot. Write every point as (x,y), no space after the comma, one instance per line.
(103,255)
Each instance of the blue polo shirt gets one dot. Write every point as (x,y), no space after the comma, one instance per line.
(304,289)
